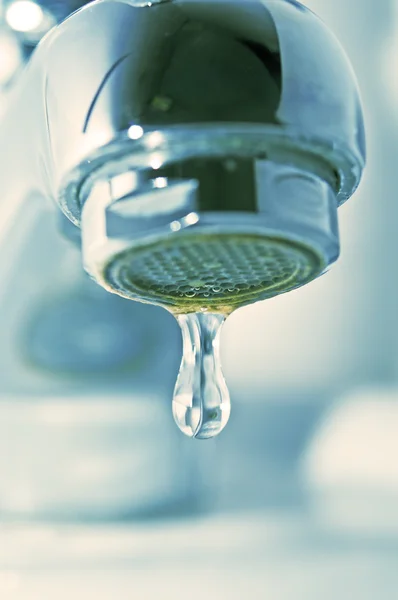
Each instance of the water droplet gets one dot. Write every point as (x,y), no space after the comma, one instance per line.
(201,403)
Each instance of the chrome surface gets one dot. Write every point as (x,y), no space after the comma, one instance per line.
(178,89)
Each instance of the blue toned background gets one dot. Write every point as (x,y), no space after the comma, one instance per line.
(101,497)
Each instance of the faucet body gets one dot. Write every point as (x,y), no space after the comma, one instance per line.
(125,93)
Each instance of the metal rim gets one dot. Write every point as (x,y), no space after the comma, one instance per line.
(332,160)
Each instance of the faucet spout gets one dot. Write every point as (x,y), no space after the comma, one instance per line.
(146,118)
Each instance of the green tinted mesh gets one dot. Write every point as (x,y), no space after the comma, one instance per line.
(212,271)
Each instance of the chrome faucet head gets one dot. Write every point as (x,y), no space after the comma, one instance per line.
(203,146)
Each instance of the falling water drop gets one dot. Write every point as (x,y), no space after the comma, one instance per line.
(201,403)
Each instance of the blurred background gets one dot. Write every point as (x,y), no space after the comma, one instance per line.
(100,495)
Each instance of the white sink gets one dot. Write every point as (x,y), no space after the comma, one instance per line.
(282,556)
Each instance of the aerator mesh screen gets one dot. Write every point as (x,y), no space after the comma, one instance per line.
(219,272)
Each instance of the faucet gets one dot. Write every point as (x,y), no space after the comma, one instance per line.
(202,147)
